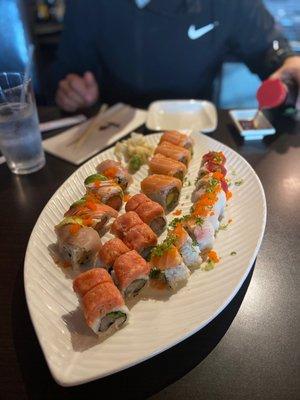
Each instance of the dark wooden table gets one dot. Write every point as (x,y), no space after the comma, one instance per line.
(258,356)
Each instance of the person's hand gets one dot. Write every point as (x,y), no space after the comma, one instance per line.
(290,69)
(76,92)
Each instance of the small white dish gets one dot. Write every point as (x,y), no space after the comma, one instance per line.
(264,127)
(195,115)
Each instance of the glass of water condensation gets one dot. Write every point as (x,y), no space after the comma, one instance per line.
(20,137)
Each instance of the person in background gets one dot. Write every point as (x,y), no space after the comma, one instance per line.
(138,51)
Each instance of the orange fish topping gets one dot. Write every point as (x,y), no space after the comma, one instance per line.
(228,195)
(217,175)
(127,197)
(74,228)
(91,205)
(213,256)
(88,221)
(177,212)
(111,172)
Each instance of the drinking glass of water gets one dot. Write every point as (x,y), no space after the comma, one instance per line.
(20,137)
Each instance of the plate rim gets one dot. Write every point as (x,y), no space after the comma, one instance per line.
(61,379)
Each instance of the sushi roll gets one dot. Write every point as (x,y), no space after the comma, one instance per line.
(89,279)
(124,223)
(177,138)
(77,243)
(149,211)
(106,190)
(160,164)
(141,238)
(113,170)
(202,232)
(188,250)
(175,152)
(167,265)
(110,251)
(90,208)
(104,308)
(131,273)
(163,189)
(217,157)
(211,167)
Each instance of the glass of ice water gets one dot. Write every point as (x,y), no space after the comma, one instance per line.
(20,137)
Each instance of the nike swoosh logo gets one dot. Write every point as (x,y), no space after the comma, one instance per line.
(194,33)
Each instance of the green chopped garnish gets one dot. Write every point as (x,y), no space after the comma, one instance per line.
(199,221)
(189,183)
(212,184)
(155,273)
(239,182)
(160,249)
(233,172)
(178,220)
(116,314)
(195,243)
(233,253)
(79,202)
(209,265)
(135,163)
(94,178)
(223,227)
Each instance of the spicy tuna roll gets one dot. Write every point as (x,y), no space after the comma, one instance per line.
(150,212)
(104,308)
(202,232)
(110,251)
(114,170)
(89,279)
(106,190)
(163,189)
(141,238)
(124,223)
(131,273)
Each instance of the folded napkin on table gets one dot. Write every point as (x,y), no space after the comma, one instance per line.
(116,123)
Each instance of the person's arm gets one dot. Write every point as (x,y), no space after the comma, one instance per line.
(75,72)
(256,40)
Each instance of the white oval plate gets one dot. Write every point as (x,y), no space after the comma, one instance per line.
(73,353)
(195,115)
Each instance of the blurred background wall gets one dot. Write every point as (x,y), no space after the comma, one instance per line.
(42,22)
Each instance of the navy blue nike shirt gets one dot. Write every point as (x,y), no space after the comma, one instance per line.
(167,49)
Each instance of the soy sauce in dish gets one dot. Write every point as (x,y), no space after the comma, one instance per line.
(248,124)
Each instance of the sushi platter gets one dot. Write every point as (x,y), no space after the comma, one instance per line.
(121,267)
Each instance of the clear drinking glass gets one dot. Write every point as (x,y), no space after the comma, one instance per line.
(20,137)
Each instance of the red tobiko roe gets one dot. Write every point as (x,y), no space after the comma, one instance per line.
(213,167)
(224,185)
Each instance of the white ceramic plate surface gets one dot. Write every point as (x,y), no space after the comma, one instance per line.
(195,115)
(73,353)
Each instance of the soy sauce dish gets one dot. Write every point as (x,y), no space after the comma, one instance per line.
(250,129)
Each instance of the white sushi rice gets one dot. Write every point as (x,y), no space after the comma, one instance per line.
(190,254)
(97,322)
(177,276)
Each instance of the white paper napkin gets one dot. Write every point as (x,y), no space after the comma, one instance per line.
(64,145)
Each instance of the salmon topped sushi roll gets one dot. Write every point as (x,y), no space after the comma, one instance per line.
(124,223)
(177,138)
(163,189)
(77,243)
(114,170)
(131,273)
(175,152)
(160,164)
(89,207)
(89,279)
(110,251)
(106,190)
(149,211)
(141,238)
(167,265)
(188,250)
(104,308)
